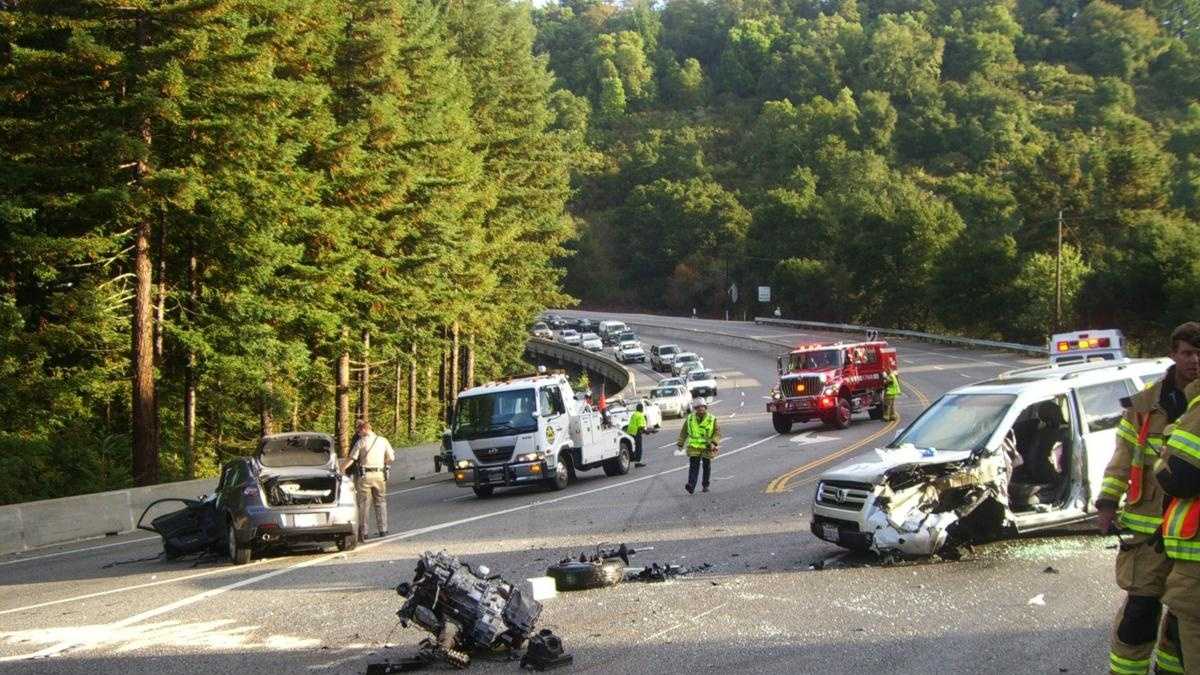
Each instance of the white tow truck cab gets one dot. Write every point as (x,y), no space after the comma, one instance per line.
(1087,345)
(529,430)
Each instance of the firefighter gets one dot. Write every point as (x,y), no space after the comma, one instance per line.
(890,393)
(1178,474)
(635,428)
(700,435)
(1141,567)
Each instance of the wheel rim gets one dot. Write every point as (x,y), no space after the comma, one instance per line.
(560,473)
(843,411)
(232,543)
(625,458)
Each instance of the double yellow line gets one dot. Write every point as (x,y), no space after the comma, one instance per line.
(780,484)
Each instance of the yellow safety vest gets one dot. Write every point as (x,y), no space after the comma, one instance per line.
(1182,519)
(700,433)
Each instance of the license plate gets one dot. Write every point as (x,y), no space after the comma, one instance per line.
(829,532)
(306,520)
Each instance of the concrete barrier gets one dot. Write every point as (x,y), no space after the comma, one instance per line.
(595,362)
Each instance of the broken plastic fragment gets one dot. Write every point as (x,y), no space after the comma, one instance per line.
(1039,600)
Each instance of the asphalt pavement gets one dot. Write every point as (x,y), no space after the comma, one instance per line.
(760,606)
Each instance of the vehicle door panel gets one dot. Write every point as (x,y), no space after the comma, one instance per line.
(1100,414)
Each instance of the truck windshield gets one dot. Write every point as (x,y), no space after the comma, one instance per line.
(502,413)
(819,359)
(957,422)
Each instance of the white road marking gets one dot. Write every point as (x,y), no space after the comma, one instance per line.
(75,550)
(964,375)
(811,437)
(419,487)
(65,645)
(694,619)
(458,498)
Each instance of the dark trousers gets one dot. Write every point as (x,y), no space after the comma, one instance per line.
(637,447)
(694,464)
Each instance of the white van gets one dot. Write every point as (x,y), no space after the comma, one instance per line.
(1024,451)
(609,330)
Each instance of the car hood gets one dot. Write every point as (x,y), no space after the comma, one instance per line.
(873,469)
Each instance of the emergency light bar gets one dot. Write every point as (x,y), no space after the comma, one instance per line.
(1084,343)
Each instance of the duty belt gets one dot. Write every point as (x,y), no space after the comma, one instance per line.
(368,468)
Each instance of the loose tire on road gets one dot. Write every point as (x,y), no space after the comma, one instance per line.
(483,491)
(578,576)
(238,554)
(782,423)
(619,465)
(347,543)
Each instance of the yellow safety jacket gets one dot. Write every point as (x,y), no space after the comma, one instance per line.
(698,435)
(1130,471)
(893,385)
(1182,518)
(637,422)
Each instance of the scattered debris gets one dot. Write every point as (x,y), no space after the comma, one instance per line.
(1050,570)
(191,529)
(466,610)
(657,572)
(1039,600)
(605,567)
(545,652)
(543,588)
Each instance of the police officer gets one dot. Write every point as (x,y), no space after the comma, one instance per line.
(701,436)
(635,428)
(1142,568)
(373,453)
(890,392)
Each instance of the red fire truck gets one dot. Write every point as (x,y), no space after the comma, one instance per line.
(830,382)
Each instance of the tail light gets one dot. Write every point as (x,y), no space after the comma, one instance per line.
(1105,342)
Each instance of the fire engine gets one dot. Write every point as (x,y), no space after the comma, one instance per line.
(830,382)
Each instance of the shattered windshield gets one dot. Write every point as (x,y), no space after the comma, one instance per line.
(957,422)
(502,413)
(819,359)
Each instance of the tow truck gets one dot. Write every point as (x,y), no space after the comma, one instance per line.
(830,382)
(529,430)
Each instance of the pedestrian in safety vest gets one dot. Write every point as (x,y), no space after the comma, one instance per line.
(1142,567)
(635,428)
(701,437)
(890,392)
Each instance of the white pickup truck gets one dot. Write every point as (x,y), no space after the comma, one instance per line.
(529,430)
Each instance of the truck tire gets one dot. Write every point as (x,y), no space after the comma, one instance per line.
(562,475)
(483,491)
(619,465)
(840,419)
(573,575)
(782,423)
(876,411)
(238,554)
(347,543)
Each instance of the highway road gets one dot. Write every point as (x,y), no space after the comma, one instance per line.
(108,606)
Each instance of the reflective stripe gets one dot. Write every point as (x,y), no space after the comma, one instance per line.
(1114,487)
(1127,432)
(1182,549)
(1186,442)
(1168,663)
(1139,523)
(1193,402)
(1128,666)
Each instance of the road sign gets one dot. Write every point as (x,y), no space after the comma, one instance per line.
(764,293)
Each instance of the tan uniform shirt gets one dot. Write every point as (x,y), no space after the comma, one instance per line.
(372,452)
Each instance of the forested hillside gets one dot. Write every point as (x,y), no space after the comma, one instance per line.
(223,218)
(897,162)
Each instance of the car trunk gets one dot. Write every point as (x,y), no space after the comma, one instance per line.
(298,469)
(303,490)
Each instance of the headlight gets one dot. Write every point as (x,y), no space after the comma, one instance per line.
(463,464)
(529,457)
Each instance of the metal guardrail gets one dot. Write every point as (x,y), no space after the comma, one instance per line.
(598,363)
(916,335)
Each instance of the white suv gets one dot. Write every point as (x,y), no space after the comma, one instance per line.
(1021,452)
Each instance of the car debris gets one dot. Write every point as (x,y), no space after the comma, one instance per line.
(605,567)
(656,572)
(191,529)
(467,610)
(545,652)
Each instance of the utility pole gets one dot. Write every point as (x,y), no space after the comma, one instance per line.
(1058,277)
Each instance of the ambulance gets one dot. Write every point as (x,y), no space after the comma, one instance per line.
(1087,345)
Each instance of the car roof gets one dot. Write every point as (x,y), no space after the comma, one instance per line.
(1052,379)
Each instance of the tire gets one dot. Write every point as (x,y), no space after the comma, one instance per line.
(841,415)
(577,576)
(238,554)
(782,423)
(483,491)
(619,465)
(562,475)
(347,543)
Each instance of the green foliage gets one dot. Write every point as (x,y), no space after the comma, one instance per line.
(903,162)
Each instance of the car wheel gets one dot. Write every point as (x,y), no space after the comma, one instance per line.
(238,554)
(562,476)
(577,576)
(619,465)
(483,491)
(782,423)
(841,416)
(347,543)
